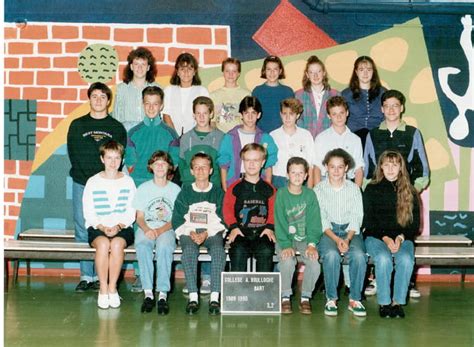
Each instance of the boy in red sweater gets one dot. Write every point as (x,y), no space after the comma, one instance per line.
(248,212)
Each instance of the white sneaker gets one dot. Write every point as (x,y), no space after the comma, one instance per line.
(371,288)
(103,301)
(205,287)
(114,300)
(415,293)
(330,309)
(357,308)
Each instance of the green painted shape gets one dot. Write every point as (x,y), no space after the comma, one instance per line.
(428,116)
(98,63)
(19,133)
(464,178)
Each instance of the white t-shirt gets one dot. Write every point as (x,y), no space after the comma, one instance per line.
(178,104)
(300,144)
(245,138)
(329,139)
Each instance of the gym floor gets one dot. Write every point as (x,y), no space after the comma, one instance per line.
(45,311)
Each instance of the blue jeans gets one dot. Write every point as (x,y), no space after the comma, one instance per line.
(383,261)
(331,259)
(80,232)
(164,246)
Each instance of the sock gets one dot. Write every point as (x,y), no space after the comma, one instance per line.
(148,293)
(193,297)
(215,296)
(163,295)
(304,299)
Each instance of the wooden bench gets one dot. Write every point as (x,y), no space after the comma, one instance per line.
(436,250)
(15,250)
(446,240)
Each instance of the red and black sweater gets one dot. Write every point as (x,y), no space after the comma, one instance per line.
(249,206)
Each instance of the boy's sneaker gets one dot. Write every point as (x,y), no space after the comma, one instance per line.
(114,300)
(305,307)
(371,288)
(103,301)
(205,287)
(414,293)
(214,308)
(162,307)
(137,285)
(397,311)
(192,307)
(148,304)
(357,308)
(286,306)
(95,286)
(330,309)
(82,286)
(385,311)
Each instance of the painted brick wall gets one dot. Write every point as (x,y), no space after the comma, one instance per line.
(41,64)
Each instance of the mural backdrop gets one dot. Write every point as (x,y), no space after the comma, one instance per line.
(51,52)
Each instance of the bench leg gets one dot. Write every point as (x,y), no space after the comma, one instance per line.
(28,268)
(463,274)
(16,263)
(5,275)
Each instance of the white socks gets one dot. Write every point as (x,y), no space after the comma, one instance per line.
(193,297)
(148,293)
(215,296)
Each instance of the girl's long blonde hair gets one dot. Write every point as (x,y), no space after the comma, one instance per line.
(405,190)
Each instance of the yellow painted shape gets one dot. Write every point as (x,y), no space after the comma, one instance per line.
(294,74)
(422,88)
(252,79)
(216,84)
(390,54)
(410,121)
(438,157)
(338,67)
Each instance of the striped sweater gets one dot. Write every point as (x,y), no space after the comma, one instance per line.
(108,202)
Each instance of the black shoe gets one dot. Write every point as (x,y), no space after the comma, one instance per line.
(397,311)
(385,311)
(95,286)
(192,307)
(83,286)
(148,304)
(214,308)
(162,307)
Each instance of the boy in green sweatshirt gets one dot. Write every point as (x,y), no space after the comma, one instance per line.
(297,228)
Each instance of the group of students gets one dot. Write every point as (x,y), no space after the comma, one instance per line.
(226,177)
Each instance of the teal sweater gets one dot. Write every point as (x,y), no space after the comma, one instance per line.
(143,140)
(297,217)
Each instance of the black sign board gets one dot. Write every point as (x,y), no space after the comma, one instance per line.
(250,292)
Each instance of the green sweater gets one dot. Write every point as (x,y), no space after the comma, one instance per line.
(297,217)
(193,207)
